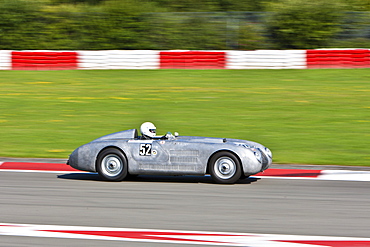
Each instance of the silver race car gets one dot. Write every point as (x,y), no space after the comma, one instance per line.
(124,153)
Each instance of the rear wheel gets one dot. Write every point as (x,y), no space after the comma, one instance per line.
(112,165)
(225,168)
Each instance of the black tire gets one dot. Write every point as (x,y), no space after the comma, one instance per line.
(225,168)
(112,165)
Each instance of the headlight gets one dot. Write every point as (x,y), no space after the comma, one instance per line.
(257,154)
(268,152)
(257,151)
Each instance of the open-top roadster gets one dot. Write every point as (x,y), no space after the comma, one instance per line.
(124,153)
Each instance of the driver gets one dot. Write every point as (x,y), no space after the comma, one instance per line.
(148,130)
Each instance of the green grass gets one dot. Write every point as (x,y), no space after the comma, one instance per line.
(303,116)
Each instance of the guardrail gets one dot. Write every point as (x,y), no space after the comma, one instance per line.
(149,59)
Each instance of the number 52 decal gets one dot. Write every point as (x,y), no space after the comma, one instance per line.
(145,149)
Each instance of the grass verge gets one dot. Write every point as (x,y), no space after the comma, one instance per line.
(303,116)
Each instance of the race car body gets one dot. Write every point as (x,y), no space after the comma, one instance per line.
(116,155)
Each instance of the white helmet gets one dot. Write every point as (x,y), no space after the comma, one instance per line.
(148,129)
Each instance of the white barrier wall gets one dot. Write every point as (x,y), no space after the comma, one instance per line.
(118,59)
(5,60)
(266,59)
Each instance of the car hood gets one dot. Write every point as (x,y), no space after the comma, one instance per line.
(219,140)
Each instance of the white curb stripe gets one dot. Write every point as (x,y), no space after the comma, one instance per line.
(345,175)
(334,175)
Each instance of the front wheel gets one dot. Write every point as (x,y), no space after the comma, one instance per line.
(112,165)
(225,168)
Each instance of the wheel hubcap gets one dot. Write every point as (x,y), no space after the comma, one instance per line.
(225,167)
(112,165)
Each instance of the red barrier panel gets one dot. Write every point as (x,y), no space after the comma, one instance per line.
(44,60)
(353,58)
(192,60)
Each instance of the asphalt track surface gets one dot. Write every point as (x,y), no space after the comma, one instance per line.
(264,206)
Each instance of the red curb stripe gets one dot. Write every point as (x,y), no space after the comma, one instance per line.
(290,173)
(36,166)
(150,235)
